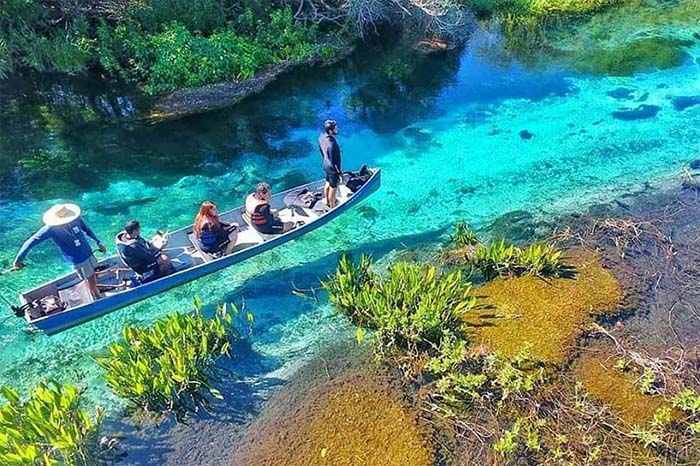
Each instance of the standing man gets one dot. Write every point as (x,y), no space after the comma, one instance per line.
(63,225)
(330,151)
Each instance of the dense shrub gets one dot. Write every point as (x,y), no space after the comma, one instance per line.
(164,44)
(170,367)
(49,428)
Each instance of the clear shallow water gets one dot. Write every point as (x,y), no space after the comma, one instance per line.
(446,132)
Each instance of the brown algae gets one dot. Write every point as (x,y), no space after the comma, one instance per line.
(548,314)
(616,388)
(355,419)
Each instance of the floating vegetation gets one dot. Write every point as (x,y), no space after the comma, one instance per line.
(171,366)
(413,310)
(48,428)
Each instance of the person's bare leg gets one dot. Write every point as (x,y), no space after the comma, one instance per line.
(334,201)
(328,194)
(232,238)
(92,285)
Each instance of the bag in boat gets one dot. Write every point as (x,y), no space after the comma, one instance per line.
(355,181)
(302,198)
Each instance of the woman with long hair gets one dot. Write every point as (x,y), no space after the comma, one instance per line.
(214,235)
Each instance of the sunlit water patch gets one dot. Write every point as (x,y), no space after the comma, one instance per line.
(478,142)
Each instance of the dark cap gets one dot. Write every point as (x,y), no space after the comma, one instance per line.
(330,125)
(131,226)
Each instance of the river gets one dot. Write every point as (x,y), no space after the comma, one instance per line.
(461,136)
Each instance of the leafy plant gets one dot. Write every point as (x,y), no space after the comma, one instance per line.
(463,236)
(170,367)
(496,259)
(508,442)
(413,309)
(49,428)
(540,259)
(499,258)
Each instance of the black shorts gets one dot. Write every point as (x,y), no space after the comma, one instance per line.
(273,228)
(333,179)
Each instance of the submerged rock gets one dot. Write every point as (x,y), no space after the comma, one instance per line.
(621,93)
(525,134)
(695,164)
(680,103)
(640,113)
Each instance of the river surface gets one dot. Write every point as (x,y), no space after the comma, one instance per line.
(461,136)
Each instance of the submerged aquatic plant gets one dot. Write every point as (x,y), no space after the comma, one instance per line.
(170,367)
(49,428)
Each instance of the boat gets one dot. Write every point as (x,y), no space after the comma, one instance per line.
(66,302)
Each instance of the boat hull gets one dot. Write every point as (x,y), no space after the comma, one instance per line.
(61,321)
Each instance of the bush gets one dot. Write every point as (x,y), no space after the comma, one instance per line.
(413,309)
(170,367)
(49,428)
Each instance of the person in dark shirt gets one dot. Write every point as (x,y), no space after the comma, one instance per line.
(214,235)
(262,216)
(63,225)
(140,255)
(330,152)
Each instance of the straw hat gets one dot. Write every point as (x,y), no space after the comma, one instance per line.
(61,214)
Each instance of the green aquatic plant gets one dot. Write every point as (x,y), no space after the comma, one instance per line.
(462,236)
(412,309)
(637,55)
(171,366)
(499,258)
(496,259)
(49,428)
(543,260)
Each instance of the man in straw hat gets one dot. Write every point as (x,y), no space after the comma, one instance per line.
(63,225)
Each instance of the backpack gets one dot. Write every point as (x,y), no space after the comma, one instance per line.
(355,180)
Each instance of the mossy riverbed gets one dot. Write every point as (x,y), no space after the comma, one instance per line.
(549,314)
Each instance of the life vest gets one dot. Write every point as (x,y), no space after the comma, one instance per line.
(256,217)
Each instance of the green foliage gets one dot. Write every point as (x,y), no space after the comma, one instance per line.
(196,15)
(170,366)
(687,401)
(540,259)
(508,442)
(637,55)
(496,259)
(412,309)
(493,376)
(164,44)
(499,258)
(463,236)
(49,428)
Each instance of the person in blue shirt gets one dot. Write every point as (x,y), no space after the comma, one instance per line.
(63,225)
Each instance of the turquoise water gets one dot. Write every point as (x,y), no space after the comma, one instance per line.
(457,137)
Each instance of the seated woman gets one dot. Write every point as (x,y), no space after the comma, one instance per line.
(262,216)
(213,235)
